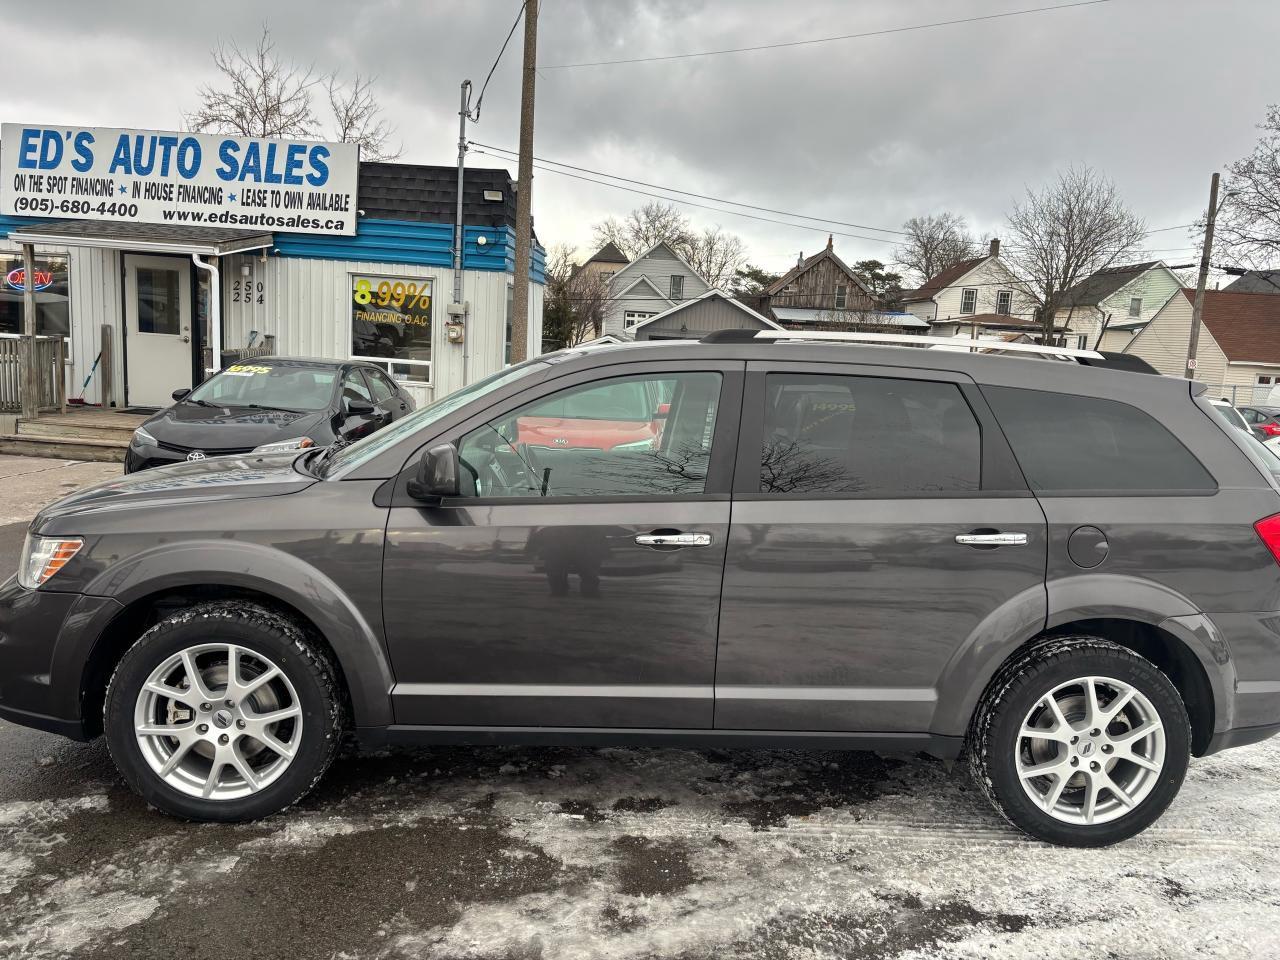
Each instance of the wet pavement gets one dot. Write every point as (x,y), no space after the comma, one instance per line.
(622,853)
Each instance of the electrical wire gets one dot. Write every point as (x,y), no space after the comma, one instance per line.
(845,36)
(475,114)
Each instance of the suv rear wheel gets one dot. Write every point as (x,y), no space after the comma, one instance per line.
(225,711)
(1081,742)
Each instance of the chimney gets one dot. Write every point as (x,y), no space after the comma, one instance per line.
(828,241)
(800,259)
(995,248)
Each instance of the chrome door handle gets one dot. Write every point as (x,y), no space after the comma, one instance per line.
(673,539)
(992,539)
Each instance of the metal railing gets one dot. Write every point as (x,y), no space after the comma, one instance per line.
(1239,394)
(50,366)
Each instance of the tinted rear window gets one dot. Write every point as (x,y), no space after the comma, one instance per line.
(1084,445)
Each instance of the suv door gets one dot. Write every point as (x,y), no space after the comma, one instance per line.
(879,525)
(552,592)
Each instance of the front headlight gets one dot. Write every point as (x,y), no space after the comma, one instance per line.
(646,445)
(142,439)
(42,557)
(297,443)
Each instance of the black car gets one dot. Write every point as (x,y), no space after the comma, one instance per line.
(268,404)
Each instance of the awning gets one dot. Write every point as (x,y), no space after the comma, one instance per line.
(144,237)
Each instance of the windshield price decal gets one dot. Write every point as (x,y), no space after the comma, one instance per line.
(245,370)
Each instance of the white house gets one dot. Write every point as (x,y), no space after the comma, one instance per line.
(967,295)
(651,284)
(1129,295)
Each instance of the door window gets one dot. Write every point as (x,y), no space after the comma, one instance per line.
(159,301)
(637,436)
(867,436)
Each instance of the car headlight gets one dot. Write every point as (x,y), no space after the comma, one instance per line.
(42,557)
(297,443)
(142,439)
(646,444)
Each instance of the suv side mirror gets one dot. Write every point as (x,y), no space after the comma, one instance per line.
(360,408)
(181,394)
(437,474)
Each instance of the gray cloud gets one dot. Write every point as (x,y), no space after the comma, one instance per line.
(1156,93)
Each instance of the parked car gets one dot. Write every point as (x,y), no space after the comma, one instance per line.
(267,404)
(1232,416)
(1264,419)
(1075,583)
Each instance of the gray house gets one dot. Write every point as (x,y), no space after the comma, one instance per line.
(651,284)
(694,319)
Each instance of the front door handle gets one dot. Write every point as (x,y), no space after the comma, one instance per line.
(992,539)
(673,539)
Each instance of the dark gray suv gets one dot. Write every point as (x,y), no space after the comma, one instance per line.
(1069,570)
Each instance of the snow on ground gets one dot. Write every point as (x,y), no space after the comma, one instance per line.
(621,853)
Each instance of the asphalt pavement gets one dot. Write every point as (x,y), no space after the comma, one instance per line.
(618,853)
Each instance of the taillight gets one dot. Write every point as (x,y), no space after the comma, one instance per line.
(1269,533)
(1271,429)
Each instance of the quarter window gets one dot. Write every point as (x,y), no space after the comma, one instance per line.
(867,436)
(628,436)
(969,301)
(1069,445)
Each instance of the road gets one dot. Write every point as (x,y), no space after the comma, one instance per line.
(569,853)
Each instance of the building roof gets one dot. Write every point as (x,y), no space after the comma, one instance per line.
(609,253)
(1256,281)
(997,321)
(940,281)
(144,237)
(1093,289)
(1245,325)
(827,253)
(866,317)
(713,292)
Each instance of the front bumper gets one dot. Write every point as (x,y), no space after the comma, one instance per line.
(46,643)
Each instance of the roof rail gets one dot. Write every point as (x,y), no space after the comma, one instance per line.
(902,339)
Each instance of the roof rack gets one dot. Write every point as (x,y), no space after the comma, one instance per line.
(904,339)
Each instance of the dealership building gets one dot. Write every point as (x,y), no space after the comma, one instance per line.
(149,307)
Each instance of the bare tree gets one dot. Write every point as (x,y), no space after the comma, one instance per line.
(935,243)
(656,222)
(358,118)
(1248,227)
(574,307)
(715,254)
(1066,231)
(262,95)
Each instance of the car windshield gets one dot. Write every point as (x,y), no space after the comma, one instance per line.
(276,385)
(364,450)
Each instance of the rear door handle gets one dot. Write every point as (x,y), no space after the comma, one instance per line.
(992,539)
(673,539)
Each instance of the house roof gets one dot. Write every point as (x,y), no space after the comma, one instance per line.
(609,253)
(713,292)
(825,254)
(1256,281)
(636,282)
(942,280)
(1245,325)
(819,316)
(1093,289)
(1000,321)
(670,249)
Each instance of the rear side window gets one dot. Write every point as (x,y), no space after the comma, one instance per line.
(1069,445)
(867,436)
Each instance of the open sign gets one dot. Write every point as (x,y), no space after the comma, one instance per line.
(18,279)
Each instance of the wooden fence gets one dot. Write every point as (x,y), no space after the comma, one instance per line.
(51,356)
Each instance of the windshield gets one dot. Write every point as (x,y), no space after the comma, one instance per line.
(364,450)
(273,384)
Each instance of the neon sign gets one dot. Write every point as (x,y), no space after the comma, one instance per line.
(18,279)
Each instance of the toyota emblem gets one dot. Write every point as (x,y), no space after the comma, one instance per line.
(195,456)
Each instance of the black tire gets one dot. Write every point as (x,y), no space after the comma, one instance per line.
(307,666)
(994,740)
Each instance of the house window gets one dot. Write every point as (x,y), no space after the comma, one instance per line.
(1082,341)
(969,301)
(391,324)
(842,296)
(53,292)
(677,287)
(1135,306)
(633,318)
(1004,302)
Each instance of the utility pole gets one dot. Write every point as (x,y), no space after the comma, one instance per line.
(524,190)
(29,369)
(464,113)
(1197,309)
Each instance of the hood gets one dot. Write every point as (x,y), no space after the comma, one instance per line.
(236,477)
(230,428)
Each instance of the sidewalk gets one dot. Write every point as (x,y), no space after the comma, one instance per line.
(28,483)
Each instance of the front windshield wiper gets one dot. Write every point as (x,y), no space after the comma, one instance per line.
(317,465)
(203,403)
(271,406)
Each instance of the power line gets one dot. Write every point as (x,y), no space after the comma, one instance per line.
(480,99)
(844,36)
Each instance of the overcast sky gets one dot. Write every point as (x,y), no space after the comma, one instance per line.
(1155,93)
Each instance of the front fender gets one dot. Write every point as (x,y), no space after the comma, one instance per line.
(353,631)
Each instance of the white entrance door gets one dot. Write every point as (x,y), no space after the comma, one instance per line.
(158,318)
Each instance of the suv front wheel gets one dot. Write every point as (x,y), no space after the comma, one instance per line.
(1081,742)
(224,711)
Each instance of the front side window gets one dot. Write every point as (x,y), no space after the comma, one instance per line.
(354,388)
(383,389)
(969,302)
(677,287)
(1069,445)
(640,436)
(391,324)
(1135,307)
(53,295)
(1004,302)
(867,436)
